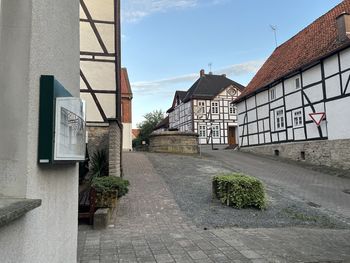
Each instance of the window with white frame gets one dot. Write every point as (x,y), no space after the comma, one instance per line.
(272,93)
(279,119)
(215,129)
(214,107)
(202,131)
(201,106)
(298,118)
(297,83)
(233,109)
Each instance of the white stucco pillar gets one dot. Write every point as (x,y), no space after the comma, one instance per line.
(37,37)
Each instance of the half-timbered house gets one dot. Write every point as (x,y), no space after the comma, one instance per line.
(100,75)
(298,103)
(205,109)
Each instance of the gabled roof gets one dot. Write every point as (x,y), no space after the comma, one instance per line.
(163,124)
(179,95)
(208,86)
(313,43)
(125,83)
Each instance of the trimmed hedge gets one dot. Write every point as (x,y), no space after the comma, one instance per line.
(239,191)
(108,184)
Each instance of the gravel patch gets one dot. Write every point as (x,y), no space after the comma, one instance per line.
(189,179)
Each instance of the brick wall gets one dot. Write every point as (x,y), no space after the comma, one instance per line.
(174,142)
(332,153)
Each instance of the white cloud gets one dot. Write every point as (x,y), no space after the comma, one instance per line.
(167,86)
(135,10)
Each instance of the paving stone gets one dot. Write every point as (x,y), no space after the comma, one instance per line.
(150,227)
(197,254)
(164,258)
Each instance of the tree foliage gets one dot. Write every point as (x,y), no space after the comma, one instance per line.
(147,126)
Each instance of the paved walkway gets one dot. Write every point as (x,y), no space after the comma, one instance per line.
(150,227)
(312,186)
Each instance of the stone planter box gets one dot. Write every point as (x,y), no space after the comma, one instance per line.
(106,200)
(174,142)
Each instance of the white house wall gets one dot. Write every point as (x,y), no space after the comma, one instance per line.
(323,88)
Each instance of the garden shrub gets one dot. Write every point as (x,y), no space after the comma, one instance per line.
(108,184)
(239,190)
(99,163)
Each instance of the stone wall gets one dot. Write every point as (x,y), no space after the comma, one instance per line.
(174,142)
(108,137)
(332,153)
(115,144)
(98,137)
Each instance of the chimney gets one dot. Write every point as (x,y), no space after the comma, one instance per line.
(224,75)
(343,26)
(201,73)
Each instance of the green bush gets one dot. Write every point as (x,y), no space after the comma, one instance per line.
(109,184)
(239,191)
(99,163)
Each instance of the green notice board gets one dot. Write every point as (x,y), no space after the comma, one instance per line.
(61,124)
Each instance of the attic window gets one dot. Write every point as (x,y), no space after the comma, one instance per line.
(297,83)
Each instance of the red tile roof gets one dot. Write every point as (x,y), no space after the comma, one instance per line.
(125,84)
(316,41)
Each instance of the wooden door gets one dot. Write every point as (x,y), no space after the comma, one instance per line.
(232,135)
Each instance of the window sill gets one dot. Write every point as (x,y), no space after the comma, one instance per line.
(13,208)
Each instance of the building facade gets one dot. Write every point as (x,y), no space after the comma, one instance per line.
(100,77)
(297,105)
(126,94)
(205,109)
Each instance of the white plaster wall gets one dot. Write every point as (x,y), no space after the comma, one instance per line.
(312,75)
(331,66)
(333,87)
(278,90)
(14,66)
(262,97)
(289,84)
(38,37)
(293,101)
(345,59)
(251,103)
(314,93)
(127,136)
(338,119)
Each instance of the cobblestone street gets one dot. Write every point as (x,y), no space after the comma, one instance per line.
(150,227)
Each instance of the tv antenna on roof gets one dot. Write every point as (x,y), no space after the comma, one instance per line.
(274,29)
(210,65)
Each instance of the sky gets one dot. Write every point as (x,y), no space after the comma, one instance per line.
(165,43)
